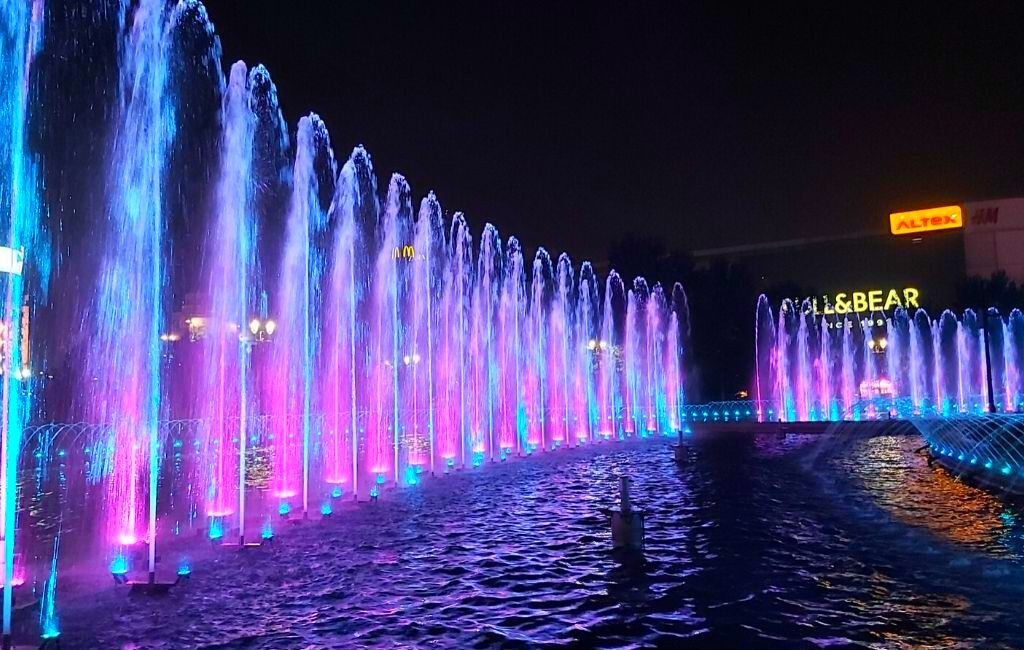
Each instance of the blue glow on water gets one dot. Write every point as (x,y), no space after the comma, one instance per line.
(374,492)
(268,531)
(119,566)
(284,508)
(216,528)
(184,569)
(325,509)
(988,464)
(336,492)
(380,479)
(1006,470)
(411,477)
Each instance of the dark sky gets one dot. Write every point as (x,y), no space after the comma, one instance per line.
(571,124)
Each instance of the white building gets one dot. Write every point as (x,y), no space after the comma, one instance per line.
(994,238)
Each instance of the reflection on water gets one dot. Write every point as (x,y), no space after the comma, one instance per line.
(905,486)
(751,541)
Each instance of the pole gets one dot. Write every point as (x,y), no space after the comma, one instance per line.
(988,362)
(154,468)
(625,504)
(243,414)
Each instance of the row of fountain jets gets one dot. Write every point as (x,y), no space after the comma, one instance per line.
(364,344)
(384,342)
(904,365)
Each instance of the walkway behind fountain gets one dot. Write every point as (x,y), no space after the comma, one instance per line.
(755,539)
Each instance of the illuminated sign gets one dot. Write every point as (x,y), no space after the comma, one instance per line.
(916,221)
(985,217)
(857,302)
(867,301)
(407,253)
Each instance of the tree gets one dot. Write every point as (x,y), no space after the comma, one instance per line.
(997,291)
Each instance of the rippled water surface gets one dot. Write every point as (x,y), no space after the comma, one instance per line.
(753,541)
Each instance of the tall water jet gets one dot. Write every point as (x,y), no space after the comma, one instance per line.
(764,355)
(560,368)
(636,357)
(418,304)
(344,341)
(947,361)
(387,299)
(655,415)
(1013,337)
(676,350)
(21,225)
(483,324)
(428,271)
(609,355)
(128,313)
(511,317)
(537,382)
(781,354)
(223,401)
(898,337)
(289,382)
(458,303)
(804,376)
(584,347)
(449,371)
(825,369)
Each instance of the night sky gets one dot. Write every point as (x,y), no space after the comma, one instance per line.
(571,124)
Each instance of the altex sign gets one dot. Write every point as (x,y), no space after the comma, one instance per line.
(917,221)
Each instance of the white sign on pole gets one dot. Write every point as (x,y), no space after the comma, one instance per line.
(11,261)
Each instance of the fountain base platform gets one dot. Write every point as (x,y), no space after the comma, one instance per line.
(146,588)
(150,586)
(991,479)
(243,545)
